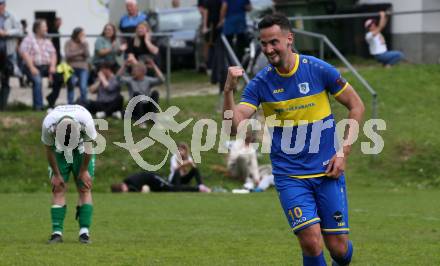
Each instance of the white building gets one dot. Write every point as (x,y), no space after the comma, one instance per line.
(417,35)
(89,14)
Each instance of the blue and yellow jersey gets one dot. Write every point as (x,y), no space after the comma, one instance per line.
(299,100)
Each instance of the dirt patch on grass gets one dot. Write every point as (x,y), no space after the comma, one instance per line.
(9,121)
(406,150)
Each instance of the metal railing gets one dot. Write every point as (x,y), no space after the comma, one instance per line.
(233,56)
(324,40)
(362,15)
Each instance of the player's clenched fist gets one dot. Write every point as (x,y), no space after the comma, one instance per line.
(234,74)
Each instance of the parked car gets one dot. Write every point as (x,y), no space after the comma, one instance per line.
(183,25)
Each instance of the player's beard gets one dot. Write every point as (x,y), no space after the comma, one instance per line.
(279,58)
(276,59)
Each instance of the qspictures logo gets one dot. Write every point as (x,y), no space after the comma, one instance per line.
(207,134)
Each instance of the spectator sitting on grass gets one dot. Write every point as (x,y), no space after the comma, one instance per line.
(183,172)
(266,178)
(140,84)
(376,42)
(242,161)
(145,182)
(109,100)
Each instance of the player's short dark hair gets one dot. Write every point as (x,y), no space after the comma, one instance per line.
(116,188)
(275,19)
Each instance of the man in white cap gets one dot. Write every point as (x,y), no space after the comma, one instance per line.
(376,42)
(66,133)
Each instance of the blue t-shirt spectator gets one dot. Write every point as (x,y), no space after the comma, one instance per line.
(235,19)
(128,23)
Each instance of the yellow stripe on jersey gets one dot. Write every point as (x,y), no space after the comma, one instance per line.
(341,90)
(307,176)
(286,75)
(250,105)
(302,110)
(305,223)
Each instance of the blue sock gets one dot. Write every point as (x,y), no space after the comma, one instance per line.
(347,257)
(314,261)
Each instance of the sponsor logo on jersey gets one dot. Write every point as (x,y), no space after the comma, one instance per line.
(280,90)
(299,221)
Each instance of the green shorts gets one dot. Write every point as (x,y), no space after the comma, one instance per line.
(65,167)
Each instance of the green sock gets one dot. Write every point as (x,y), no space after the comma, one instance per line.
(58,213)
(85,215)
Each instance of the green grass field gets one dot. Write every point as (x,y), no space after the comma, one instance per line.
(394,197)
(389,227)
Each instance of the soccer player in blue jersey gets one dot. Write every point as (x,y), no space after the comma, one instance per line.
(294,89)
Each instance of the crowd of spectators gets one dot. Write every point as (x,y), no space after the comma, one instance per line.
(33,56)
(131,57)
(116,61)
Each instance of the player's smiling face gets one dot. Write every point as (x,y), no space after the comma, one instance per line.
(276,44)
